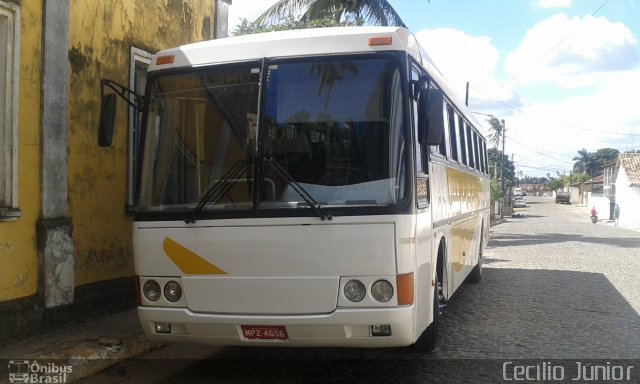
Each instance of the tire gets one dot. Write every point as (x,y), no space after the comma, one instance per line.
(428,339)
(475,276)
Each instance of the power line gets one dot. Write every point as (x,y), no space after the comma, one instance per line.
(529,161)
(548,169)
(597,131)
(540,153)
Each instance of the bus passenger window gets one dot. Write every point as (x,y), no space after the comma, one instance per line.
(470,147)
(451,122)
(463,145)
(484,157)
(476,150)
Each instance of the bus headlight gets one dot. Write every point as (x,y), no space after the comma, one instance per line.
(151,290)
(382,291)
(172,291)
(354,291)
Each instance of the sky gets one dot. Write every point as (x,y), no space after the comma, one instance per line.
(563,74)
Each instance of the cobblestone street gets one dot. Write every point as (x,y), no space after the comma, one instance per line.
(556,286)
(556,290)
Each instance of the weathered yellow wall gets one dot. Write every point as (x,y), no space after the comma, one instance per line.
(102,33)
(18,254)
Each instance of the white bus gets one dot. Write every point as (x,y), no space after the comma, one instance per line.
(318,187)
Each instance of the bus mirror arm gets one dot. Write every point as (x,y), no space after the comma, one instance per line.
(108,108)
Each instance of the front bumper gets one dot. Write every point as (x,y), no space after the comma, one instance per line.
(341,328)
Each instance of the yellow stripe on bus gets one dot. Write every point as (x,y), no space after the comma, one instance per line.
(189,262)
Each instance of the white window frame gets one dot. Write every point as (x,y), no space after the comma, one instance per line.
(138,57)
(10,56)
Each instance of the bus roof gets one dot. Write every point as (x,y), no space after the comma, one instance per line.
(290,43)
(304,42)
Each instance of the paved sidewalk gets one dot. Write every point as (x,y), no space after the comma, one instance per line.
(87,348)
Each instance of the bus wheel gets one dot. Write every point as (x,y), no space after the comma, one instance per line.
(427,341)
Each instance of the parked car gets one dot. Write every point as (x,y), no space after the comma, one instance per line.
(519,202)
(563,197)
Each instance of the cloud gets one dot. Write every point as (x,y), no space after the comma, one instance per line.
(605,118)
(572,52)
(461,57)
(546,4)
(464,58)
(589,71)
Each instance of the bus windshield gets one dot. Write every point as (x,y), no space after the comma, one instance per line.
(336,126)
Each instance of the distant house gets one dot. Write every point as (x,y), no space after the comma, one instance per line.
(627,189)
(581,192)
(534,189)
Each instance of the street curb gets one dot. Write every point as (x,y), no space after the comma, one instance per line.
(89,357)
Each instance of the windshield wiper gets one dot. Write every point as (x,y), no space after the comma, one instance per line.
(219,189)
(322,214)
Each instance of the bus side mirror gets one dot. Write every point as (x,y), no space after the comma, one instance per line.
(108,108)
(107,120)
(430,116)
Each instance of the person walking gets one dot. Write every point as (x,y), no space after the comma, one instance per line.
(616,214)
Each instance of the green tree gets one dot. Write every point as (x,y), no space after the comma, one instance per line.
(509,171)
(494,156)
(556,184)
(602,157)
(249,27)
(578,178)
(496,193)
(535,180)
(592,163)
(374,12)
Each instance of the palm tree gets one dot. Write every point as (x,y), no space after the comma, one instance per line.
(377,12)
(497,131)
(583,162)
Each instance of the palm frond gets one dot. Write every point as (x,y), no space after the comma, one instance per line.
(374,12)
(380,12)
(319,9)
(282,9)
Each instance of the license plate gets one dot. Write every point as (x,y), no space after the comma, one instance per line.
(264,332)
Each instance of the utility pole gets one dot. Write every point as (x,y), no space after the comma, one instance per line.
(504,135)
(466,98)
